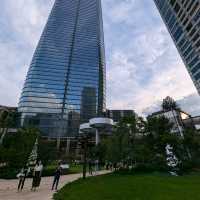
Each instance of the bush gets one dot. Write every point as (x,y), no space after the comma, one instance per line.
(50,171)
(11,173)
(8,173)
(143,168)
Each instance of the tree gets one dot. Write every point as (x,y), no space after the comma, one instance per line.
(136,141)
(160,135)
(169,104)
(191,143)
(17,148)
(8,119)
(47,151)
(142,143)
(120,147)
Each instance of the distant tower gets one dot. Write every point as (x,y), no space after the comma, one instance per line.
(69,58)
(182,18)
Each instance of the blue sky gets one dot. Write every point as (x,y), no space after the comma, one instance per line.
(143,65)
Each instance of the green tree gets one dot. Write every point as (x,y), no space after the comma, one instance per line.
(8,120)
(47,151)
(16,148)
(160,134)
(191,143)
(169,104)
(121,145)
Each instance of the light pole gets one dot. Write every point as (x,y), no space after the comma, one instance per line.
(85,130)
(100,123)
(95,125)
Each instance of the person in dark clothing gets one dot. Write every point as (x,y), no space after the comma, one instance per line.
(107,166)
(57,177)
(22,177)
(115,166)
(90,167)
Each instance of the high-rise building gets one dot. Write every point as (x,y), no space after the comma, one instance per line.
(67,70)
(182,18)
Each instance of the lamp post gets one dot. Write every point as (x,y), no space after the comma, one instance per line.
(85,130)
(100,123)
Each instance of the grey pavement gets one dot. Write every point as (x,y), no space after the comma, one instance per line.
(8,188)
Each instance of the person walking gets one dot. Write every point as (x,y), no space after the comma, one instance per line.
(57,177)
(90,167)
(96,162)
(37,173)
(22,177)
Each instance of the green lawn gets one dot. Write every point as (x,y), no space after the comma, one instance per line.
(133,187)
(73,169)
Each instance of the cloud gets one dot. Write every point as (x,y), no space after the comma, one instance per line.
(26,18)
(21,26)
(126,91)
(156,71)
(143,65)
(189,104)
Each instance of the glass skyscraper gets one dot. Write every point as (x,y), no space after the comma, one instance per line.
(65,84)
(182,18)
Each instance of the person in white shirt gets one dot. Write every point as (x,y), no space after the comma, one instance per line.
(37,174)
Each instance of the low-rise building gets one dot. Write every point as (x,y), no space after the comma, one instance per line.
(117,115)
(175,115)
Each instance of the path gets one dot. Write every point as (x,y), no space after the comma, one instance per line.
(8,189)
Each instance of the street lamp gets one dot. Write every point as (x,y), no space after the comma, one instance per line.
(85,132)
(95,125)
(100,123)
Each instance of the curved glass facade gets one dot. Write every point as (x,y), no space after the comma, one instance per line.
(65,84)
(182,18)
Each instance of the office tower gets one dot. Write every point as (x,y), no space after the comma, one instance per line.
(182,18)
(69,58)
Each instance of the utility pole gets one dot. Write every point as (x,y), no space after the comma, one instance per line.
(85,146)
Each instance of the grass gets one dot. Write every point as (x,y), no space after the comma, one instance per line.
(75,168)
(132,187)
(72,168)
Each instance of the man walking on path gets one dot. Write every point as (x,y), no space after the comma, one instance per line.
(57,177)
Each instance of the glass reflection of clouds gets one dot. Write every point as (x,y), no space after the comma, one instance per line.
(65,84)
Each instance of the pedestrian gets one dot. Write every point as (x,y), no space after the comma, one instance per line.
(57,175)
(107,166)
(96,166)
(90,167)
(37,173)
(115,166)
(22,177)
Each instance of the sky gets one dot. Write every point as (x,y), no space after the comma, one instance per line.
(143,65)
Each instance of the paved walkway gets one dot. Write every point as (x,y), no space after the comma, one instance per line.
(8,188)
